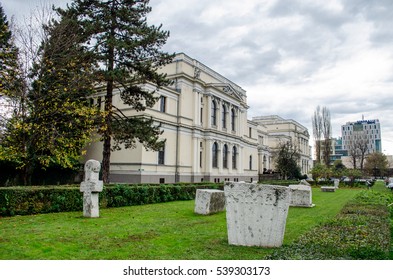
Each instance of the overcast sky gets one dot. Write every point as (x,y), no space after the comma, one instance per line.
(289,55)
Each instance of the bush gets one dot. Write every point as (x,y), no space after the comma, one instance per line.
(35,200)
(360,231)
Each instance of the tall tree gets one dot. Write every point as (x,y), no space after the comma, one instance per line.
(317,132)
(287,156)
(376,164)
(13,129)
(358,147)
(61,119)
(54,121)
(128,51)
(327,135)
(9,68)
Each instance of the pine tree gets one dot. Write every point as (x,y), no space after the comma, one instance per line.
(128,52)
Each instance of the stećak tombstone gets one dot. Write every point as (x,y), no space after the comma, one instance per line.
(91,187)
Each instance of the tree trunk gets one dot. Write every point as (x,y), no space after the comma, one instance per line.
(106,153)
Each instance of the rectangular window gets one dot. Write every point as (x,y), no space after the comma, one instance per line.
(99,103)
(250,132)
(162,104)
(161,156)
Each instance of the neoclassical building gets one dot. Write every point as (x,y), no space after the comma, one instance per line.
(203,116)
(282,130)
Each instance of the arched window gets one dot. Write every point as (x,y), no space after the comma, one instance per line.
(233,119)
(214,113)
(250,163)
(224,116)
(234,154)
(215,154)
(225,156)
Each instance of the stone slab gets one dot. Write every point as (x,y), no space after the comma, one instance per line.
(209,201)
(304,182)
(328,189)
(301,196)
(256,214)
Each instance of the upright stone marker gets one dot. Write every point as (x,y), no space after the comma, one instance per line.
(209,201)
(301,196)
(90,187)
(256,214)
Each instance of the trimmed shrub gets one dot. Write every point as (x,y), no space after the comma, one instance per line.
(360,232)
(35,200)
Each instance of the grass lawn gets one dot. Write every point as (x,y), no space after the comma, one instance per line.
(157,231)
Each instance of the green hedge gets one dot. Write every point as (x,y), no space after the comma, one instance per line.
(35,200)
(360,232)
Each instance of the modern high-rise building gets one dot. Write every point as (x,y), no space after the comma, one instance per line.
(363,133)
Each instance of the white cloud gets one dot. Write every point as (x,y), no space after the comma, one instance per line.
(291,55)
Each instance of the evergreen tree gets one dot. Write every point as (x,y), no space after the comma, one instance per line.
(14,130)
(61,118)
(9,72)
(57,122)
(127,50)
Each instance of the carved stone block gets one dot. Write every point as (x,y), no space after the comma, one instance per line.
(209,201)
(256,214)
(301,196)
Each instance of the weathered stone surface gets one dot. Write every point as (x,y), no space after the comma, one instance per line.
(304,182)
(336,183)
(256,214)
(328,189)
(90,187)
(209,201)
(301,196)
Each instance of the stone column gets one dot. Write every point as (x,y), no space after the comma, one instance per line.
(90,187)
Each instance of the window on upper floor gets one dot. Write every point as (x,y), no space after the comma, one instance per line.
(224,116)
(214,113)
(250,163)
(233,119)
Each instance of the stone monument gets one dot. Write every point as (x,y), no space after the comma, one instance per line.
(256,214)
(90,187)
(209,201)
(301,196)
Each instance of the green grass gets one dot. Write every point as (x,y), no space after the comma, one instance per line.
(157,231)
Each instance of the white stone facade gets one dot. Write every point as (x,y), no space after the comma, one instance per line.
(203,116)
(279,130)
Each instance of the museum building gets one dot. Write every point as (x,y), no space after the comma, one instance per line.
(203,116)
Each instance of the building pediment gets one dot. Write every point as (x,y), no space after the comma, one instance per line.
(228,89)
